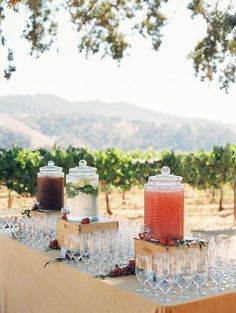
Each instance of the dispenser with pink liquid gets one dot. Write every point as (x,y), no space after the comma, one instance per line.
(164,206)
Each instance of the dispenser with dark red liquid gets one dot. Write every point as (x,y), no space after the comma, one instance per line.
(50,188)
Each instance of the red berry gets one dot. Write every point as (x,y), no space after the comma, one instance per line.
(141,235)
(64,217)
(162,241)
(85,220)
(131,262)
(54,243)
(170,242)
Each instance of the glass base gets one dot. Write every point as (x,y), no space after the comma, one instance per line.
(142,290)
(153,295)
(217,289)
(199,294)
(183,297)
(172,292)
(233,286)
(165,300)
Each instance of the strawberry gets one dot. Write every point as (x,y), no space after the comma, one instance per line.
(163,241)
(131,262)
(167,242)
(141,235)
(63,216)
(85,220)
(170,242)
(53,243)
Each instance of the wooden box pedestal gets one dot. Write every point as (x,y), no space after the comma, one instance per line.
(45,214)
(65,228)
(143,247)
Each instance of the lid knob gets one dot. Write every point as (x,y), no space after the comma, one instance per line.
(51,163)
(165,170)
(82,163)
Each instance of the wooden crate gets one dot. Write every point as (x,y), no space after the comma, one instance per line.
(143,247)
(65,228)
(45,214)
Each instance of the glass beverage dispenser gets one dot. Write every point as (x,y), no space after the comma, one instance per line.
(82,192)
(164,206)
(50,188)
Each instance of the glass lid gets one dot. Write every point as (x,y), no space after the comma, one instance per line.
(82,170)
(50,169)
(165,177)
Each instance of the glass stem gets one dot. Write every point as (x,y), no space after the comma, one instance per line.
(199,288)
(165,296)
(143,287)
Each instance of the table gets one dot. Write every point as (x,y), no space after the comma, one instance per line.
(27,287)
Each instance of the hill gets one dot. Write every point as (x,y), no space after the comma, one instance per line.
(42,103)
(42,120)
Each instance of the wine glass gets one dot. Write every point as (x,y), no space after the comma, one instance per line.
(200,276)
(186,274)
(85,252)
(143,270)
(169,275)
(71,248)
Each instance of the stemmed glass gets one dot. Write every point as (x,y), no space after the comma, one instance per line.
(157,276)
(216,267)
(153,278)
(186,273)
(143,270)
(200,276)
(231,265)
(169,268)
(154,275)
(84,248)
(100,253)
(71,247)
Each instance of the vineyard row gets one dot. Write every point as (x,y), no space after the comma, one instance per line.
(123,170)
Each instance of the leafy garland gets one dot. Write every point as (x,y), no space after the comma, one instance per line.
(177,243)
(73,191)
(127,270)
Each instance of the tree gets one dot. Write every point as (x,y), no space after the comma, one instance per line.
(221,169)
(232,174)
(215,54)
(108,165)
(104,26)
(19,169)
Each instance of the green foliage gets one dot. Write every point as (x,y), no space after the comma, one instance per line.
(72,190)
(197,170)
(105,27)
(19,169)
(215,54)
(10,68)
(173,160)
(119,169)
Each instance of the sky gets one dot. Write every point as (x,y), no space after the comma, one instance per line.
(163,81)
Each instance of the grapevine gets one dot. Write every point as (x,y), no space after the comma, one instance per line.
(120,170)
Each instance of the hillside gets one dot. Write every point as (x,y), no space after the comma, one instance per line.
(32,137)
(42,103)
(42,120)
